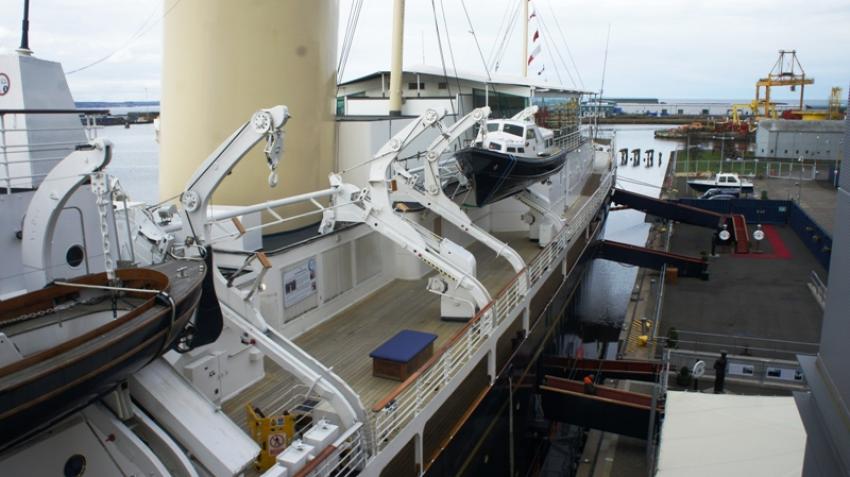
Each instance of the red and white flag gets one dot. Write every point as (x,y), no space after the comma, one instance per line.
(533,54)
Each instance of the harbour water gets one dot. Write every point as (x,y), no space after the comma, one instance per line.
(607,288)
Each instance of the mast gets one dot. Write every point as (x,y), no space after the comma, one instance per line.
(524,38)
(395,62)
(25,31)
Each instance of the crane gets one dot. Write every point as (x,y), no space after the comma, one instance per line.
(787,71)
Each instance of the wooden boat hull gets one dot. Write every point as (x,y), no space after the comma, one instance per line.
(496,175)
(46,386)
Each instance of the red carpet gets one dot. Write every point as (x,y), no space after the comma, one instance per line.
(777,249)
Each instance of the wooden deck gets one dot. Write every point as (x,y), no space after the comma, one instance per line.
(344,342)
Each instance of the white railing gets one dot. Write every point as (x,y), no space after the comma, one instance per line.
(569,141)
(346,456)
(16,150)
(397,410)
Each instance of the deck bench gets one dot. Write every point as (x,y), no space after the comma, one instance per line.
(398,357)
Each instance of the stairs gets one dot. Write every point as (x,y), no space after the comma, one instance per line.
(742,236)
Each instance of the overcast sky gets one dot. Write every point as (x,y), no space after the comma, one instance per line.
(658,48)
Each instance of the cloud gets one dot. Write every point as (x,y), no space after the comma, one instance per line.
(658,48)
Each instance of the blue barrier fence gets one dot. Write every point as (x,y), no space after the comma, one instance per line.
(816,239)
(783,212)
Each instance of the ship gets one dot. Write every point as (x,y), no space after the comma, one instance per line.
(309,370)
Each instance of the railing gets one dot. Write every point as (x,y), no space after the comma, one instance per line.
(569,141)
(818,288)
(346,456)
(395,411)
(16,150)
(784,373)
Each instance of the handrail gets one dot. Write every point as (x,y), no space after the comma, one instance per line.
(443,349)
(404,402)
(54,111)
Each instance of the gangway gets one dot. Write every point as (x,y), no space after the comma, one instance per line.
(649,258)
(637,370)
(662,208)
(687,214)
(604,408)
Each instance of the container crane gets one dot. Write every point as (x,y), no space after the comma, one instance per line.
(787,71)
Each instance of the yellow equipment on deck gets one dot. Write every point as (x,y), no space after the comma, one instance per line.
(273,434)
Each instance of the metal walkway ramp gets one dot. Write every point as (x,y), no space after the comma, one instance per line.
(649,258)
(687,214)
(637,370)
(606,409)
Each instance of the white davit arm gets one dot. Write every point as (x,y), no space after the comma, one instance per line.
(447,208)
(47,204)
(238,309)
(264,124)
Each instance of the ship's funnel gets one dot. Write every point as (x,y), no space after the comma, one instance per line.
(223,60)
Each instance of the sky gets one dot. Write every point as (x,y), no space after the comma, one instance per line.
(684,49)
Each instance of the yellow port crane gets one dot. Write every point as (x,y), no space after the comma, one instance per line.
(787,71)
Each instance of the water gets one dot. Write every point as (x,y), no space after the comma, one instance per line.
(135,160)
(608,286)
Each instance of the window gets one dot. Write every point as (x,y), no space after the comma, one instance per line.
(495,146)
(520,150)
(512,129)
(705,112)
(412,85)
(492,127)
(722,179)
(511,149)
(681,111)
(529,134)
(442,85)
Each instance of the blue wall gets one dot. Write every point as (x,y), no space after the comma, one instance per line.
(813,235)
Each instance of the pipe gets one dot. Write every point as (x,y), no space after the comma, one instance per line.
(396,59)
(25,31)
(524,38)
(219,215)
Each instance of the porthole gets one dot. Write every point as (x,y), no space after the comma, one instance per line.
(75,255)
(75,466)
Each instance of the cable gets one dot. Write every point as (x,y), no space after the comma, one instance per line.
(557,52)
(475,37)
(566,45)
(142,31)
(451,52)
(348,39)
(442,56)
(501,49)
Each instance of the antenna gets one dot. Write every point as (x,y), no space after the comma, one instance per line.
(602,85)
(25,30)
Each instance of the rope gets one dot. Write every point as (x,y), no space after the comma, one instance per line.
(107,287)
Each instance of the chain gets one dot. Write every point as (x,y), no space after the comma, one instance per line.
(51,310)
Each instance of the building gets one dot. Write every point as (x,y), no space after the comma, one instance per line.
(425,87)
(824,408)
(793,139)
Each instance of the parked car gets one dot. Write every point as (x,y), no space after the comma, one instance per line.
(714,191)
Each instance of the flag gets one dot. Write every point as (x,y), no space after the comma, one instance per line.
(536,35)
(534,54)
